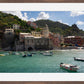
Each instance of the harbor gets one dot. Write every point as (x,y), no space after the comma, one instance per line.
(45,45)
(39,63)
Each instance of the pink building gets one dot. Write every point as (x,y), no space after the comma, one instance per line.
(32,24)
(56,39)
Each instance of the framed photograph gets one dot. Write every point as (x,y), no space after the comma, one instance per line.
(41,41)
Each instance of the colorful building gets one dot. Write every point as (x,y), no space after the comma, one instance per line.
(22,36)
(32,24)
(74,40)
(32,42)
(35,40)
(16,26)
(36,34)
(57,39)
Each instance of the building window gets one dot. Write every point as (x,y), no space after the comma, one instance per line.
(32,41)
(37,41)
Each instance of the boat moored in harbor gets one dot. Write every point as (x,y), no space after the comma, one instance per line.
(2,55)
(33,53)
(24,56)
(48,53)
(78,59)
(29,55)
(6,53)
(69,67)
(15,53)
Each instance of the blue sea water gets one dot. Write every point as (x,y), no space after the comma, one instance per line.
(39,63)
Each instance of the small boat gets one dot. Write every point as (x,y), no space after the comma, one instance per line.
(10,52)
(33,53)
(24,56)
(41,52)
(15,53)
(2,55)
(48,53)
(69,67)
(29,55)
(6,53)
(78,59)
(22,53)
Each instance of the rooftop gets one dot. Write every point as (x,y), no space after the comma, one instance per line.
(25,33)
(32,37)
(70,37)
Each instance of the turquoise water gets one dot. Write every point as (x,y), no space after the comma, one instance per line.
(39,63)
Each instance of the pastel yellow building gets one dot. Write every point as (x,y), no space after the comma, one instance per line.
(36,34)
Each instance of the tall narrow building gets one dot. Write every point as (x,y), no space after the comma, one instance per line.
(46,31)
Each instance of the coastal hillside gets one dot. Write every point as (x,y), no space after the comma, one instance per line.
(7,21)
(63,29)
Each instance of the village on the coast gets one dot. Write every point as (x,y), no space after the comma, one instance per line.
(41,40)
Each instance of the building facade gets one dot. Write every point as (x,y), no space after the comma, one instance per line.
(9,33)
(36,34)
(22,36)
(9,30)
(32,24)
(45,31)
(16,26)
(36,40)
(8,38)
(57,39)
(34,43)
(74,40)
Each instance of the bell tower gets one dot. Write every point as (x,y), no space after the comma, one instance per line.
(46,31)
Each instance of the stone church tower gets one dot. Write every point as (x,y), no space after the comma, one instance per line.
(46,31)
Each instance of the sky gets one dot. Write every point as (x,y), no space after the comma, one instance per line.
(65,17)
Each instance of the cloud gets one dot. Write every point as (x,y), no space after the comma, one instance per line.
(80,23)
(19,14)
(32,19)
(42,15)
(76,13)
(24,16)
